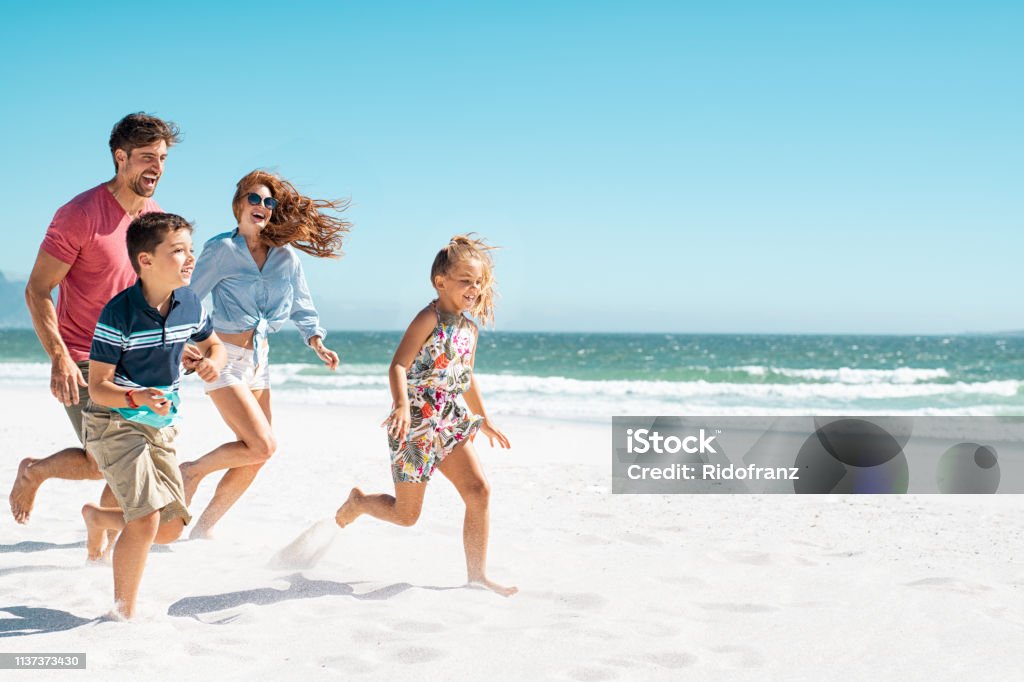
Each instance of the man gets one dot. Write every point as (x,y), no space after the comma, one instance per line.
(84,253)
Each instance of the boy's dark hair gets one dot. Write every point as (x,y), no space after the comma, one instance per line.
(141,129)
(148,231)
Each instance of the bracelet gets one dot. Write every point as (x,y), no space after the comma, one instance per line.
(128,399)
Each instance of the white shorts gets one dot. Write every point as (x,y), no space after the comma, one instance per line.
(242,370)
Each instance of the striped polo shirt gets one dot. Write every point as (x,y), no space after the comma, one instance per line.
(146,347)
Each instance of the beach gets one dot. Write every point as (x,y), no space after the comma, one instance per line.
(611,586)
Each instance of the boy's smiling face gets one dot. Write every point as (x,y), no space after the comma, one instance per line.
(170,264)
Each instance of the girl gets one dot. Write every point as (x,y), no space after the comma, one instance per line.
(257,283)
(427,428)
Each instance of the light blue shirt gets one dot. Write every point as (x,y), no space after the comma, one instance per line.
(245,297)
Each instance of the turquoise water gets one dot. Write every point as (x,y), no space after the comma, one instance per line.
(597,375)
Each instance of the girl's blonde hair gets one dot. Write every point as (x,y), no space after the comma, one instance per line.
(463,247)
(297,220)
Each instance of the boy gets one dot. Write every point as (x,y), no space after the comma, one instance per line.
(128,424)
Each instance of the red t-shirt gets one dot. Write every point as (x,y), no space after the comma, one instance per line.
(88,233)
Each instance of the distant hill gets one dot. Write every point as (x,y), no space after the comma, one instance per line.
(13,313)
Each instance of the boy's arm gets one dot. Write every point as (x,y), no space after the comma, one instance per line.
(215,356)
(103,391)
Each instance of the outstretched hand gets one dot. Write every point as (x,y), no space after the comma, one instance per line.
(494,434)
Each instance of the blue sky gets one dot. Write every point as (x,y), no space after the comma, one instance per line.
(648,166)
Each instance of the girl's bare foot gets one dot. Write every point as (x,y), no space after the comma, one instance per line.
(503,590)
(96,534)
(349,511)
(23,492)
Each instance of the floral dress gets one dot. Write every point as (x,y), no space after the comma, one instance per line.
(438,375)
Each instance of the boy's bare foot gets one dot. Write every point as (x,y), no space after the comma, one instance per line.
(190,478)
(108,549)
(349,512)
(503,590)
(23,492)
(94,541)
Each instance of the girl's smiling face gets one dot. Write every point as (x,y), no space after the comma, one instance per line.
(459,288)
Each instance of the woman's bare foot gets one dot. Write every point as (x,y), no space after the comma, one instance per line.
(503,590)
(96,534)
(349,512)
(190,478)
(23,492)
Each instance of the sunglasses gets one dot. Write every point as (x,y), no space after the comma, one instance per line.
(255,200)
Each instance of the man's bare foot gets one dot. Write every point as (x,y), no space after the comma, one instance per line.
(191,478)
(23,492)
(349,512)
(503,590)
(201,533)
(94,541)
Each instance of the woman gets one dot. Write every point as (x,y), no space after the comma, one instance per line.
(256,279)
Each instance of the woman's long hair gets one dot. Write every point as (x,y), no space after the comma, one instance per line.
(297,220)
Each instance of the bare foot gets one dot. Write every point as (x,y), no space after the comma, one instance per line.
(108,549)
(191,478)
(94,541)
(504,591)
(349,512)
(23,492)
(201,533)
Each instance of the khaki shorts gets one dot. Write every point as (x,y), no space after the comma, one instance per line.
(138,462)
(75,409)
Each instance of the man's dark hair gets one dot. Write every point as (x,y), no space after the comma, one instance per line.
(148,231)
(139,130)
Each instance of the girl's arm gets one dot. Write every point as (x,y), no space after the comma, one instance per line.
(103,391)
(475,403)
(415,336)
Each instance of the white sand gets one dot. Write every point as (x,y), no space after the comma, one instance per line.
(612,587)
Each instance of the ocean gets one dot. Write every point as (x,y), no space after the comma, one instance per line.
(594,376)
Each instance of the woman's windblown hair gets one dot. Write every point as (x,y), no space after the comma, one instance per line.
(297,220)
(463,247)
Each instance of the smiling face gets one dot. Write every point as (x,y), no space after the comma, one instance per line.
(459,288)
(253,219)
(171,262)
(142,167)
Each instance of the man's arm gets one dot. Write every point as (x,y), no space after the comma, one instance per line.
(65,377)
